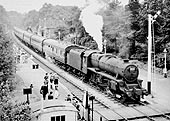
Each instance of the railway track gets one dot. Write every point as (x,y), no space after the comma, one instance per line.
(78,92)
(107,107)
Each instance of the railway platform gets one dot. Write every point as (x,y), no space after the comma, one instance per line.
(31,73)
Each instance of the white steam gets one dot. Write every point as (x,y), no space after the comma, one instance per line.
(92,22)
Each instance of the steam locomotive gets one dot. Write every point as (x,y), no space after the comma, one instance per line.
(106,71)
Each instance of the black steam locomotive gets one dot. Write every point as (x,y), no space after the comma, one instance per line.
(103,70)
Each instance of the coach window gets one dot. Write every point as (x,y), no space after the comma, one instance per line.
(56,50)
(53,118)
(85,59)
(58,118)
(52,48)
(62,118)
(61,52)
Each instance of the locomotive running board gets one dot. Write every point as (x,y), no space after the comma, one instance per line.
(104,74)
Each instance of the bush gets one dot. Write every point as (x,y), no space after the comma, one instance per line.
(15,112)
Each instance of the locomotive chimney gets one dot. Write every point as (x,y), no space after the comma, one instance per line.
(126,60)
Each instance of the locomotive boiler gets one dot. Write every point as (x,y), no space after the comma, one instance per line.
(115,66)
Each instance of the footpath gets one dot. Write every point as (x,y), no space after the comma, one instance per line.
(160,88)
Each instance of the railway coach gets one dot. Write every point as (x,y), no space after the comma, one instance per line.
(31,40)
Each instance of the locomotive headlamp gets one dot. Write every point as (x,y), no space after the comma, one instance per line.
(129,94)
(121,83)
(132,69)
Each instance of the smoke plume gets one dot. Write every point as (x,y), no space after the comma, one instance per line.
(92,22)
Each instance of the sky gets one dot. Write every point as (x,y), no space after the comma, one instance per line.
(24,6)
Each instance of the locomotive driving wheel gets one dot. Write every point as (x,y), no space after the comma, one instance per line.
(123,98)
(136,97)
(92,78)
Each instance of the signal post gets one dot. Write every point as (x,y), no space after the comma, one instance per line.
(151,19)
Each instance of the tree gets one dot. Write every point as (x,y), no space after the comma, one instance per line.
(31,19)
(166,25)
(141,25)
(134,8)
(15,112)
(4,16)
(116,28)
(6,57)
(16,19)
(114,4)
(9,111)
(83,38)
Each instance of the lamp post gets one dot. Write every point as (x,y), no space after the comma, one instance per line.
(165,69)
(45,27)
(151,19)
(59,35)
(92,98)
(104,45)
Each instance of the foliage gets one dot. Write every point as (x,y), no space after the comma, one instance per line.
(6,61)
(114,4)
(66,20)
(151,7)
(4,17)
(166,25)
(116,28)
(125,28)
(6,58)
(83,38)
(31,19)
(134,8)
(16,19)
(160,27)
(15,112)
(8,111)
